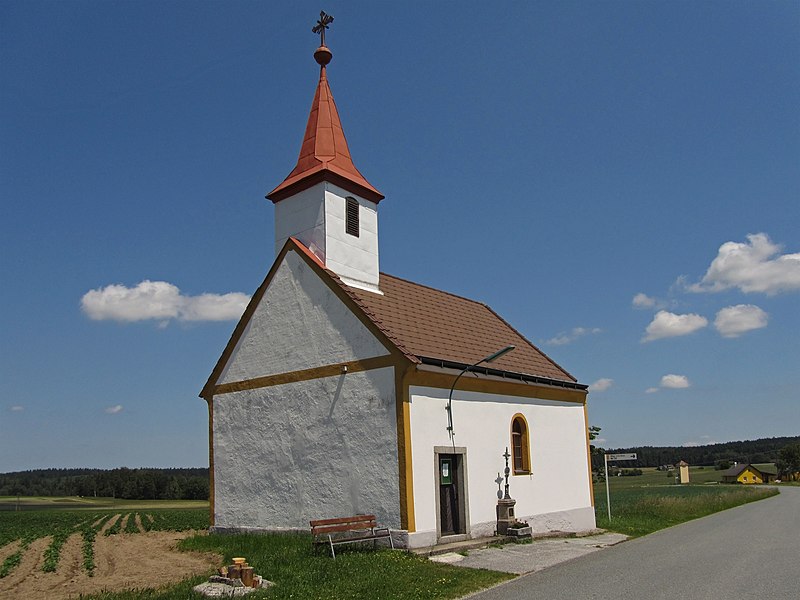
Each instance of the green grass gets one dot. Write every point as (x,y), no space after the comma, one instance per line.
(647,503)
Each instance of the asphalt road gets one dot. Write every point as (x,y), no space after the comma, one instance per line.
(751,551)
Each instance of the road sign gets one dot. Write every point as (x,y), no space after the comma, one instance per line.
(608,457)
(621,456)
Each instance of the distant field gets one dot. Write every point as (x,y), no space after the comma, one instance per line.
(92,503)
(652,477)
(645,503)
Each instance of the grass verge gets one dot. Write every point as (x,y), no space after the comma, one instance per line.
(637,512)
(300,572)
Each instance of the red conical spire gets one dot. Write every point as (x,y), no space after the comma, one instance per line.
(324,155)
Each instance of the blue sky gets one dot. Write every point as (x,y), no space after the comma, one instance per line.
(619,180)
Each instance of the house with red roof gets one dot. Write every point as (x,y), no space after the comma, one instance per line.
(344,390)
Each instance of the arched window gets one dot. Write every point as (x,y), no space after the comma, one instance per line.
(520,445)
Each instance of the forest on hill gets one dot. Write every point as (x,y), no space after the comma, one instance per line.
(130,484)
(759,451)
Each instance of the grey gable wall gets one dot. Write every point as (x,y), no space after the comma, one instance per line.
(326,447)
(299,324)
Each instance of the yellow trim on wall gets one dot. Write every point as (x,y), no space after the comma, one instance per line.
(525,446)
(404,458)
(588,452)
(211,496)
(353,366)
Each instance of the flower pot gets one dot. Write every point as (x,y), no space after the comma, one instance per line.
(520,532)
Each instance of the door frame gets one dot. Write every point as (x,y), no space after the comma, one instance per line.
(462,489)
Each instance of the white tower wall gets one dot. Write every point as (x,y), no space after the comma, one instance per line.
(316,217)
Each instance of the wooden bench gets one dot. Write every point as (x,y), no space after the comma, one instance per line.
(344,530)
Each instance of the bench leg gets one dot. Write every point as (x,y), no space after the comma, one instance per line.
(391,541)
(330,541)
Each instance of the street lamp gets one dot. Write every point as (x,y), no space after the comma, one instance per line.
(449,408)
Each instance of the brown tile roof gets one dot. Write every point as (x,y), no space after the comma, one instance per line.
(324,155)
(438,325)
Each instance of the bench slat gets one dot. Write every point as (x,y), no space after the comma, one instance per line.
(356,519)
(335,528)
(362,538)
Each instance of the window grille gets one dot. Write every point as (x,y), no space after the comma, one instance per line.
(351,217)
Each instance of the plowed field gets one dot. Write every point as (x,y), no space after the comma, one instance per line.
(120,561)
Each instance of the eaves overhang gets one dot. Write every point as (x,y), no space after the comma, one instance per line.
(498,374)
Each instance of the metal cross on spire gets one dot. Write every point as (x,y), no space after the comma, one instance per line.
(323,23)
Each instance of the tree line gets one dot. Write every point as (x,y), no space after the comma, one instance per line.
(765,450)
(130,484)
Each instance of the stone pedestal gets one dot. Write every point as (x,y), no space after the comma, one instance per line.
(505,515)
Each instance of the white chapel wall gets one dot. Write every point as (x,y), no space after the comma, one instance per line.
(555,496)
(299,324)
(286,454)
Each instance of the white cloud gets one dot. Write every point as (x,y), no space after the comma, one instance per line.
(567,338)
(160,301)
(675,382)
(651,390)
(666,324)
(113,410)
(641,300)
(705,440)
(754,266)
(733,321)
(17,408)
(601,385)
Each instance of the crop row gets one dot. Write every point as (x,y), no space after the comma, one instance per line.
(28,526)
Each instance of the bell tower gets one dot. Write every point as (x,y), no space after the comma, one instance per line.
(325,202)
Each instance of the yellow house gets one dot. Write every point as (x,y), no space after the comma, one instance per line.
(747,474)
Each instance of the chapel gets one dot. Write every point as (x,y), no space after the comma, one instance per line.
(344,390)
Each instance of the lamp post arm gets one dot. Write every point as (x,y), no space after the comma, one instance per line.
(449,407)
(450,395)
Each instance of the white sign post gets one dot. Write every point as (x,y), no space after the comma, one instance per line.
(606,458)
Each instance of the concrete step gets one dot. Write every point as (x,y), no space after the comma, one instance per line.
(485,542)
(461,546)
